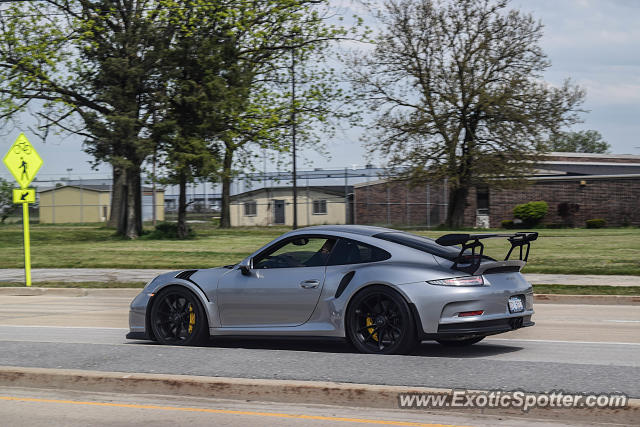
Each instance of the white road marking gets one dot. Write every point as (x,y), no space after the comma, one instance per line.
(564,342)
(622,321)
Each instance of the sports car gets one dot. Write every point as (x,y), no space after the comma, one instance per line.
(383,290)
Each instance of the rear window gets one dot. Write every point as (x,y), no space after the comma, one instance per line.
(420,243)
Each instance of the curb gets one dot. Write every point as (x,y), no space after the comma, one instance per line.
(308,392)
(132,292)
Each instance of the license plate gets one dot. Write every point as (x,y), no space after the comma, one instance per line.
(516,305)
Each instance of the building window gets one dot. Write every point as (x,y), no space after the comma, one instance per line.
(250,208)
(482,200)
(319,207)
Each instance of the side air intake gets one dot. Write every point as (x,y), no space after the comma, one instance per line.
(185,275)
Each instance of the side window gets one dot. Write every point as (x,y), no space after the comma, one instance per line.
(300,252)
(352,252)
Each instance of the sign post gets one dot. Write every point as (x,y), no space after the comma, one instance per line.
(23,162)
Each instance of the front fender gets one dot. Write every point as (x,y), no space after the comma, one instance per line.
(210,307)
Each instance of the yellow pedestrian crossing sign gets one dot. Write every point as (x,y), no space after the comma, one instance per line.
(23,161)
(28,195)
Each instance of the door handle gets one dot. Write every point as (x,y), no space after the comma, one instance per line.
(309,284)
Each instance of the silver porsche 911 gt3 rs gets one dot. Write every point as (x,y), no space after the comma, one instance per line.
(383,290)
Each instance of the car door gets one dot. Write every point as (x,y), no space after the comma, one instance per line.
(281,289)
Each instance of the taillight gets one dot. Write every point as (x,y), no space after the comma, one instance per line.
(461,281)
(470,313)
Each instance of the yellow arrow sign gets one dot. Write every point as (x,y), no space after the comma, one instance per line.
(23,161)
(27,195)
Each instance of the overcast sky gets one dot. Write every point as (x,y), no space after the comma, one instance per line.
(596,43)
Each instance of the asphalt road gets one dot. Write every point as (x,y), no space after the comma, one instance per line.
(577,349)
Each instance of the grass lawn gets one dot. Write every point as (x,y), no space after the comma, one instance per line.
(571,251)
(586,290)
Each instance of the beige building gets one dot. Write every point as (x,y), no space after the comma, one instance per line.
(88,203)
(274,206)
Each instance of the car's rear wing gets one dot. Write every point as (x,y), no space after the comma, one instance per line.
(470,263)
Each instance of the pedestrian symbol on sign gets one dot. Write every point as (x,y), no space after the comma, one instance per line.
(24,174)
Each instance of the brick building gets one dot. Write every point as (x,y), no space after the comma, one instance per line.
(576,186)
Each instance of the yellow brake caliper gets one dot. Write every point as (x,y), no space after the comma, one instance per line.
(369,322)
(192,318)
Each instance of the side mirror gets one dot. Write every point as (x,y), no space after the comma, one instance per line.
(245,269)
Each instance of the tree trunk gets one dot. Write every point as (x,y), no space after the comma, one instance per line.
(182,208)
(457,203)
(225,211)
(117,198)
(137,193)
(133,227)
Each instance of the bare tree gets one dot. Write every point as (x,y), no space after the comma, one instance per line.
(457,91)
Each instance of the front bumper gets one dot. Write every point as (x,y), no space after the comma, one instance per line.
(137,317)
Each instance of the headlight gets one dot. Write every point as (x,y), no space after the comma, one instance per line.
(461,281)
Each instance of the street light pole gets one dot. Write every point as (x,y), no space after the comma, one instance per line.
(293,136)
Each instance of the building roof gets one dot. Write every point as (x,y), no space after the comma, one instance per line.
(334,190)
(93,187)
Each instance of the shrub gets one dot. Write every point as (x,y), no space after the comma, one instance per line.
(507,223)
(596,223)
(168,230)
(531,213)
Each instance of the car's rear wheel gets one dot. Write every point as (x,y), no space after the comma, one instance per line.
(178,318)
(461,342)
(379,322)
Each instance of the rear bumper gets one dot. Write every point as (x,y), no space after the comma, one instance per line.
(484,328)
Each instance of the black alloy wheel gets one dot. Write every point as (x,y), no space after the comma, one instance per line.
(459,342)
(177,318)
(379,322)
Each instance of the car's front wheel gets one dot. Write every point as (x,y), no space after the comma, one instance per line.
(379,321)
(178,318)
(459,342)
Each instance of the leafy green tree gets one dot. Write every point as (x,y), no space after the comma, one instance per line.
(228,86)
(584,141)
(6,200)
(92,69)
(457,92)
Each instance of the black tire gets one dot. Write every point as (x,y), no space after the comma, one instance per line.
(453,342)
(379,321)
(178,318)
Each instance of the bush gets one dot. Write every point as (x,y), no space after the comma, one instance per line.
(507,223)
(596,223)
(169,230)
(531,213)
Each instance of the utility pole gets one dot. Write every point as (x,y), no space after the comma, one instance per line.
(293,135)
(153,189)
